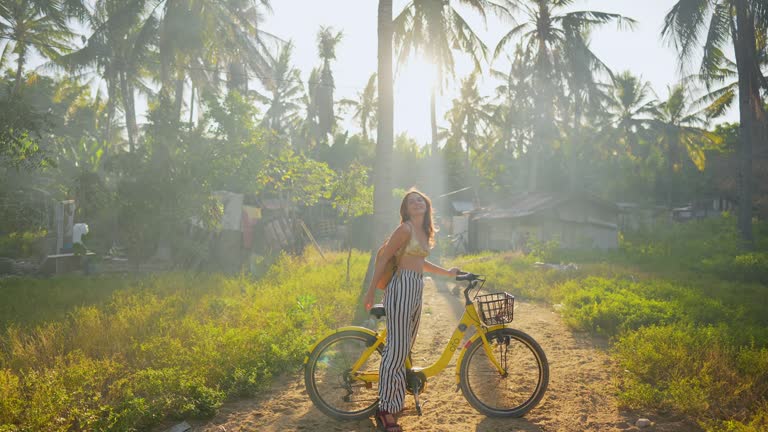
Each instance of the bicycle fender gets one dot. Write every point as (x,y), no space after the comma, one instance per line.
(466,347)
(338,330)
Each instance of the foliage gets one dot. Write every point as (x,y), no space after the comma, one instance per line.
(23,244)
(20,130)
(170,345)
(352,196)
(364,107)
(696,370)
(303,180)
(686,341)
(710,245)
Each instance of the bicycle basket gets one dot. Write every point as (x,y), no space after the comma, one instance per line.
(497,308)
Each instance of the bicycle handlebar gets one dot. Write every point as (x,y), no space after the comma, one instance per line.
(467,277)
(473,279)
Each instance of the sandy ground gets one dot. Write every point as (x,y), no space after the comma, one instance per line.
(580,397)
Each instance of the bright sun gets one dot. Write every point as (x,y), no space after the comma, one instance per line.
(413,85)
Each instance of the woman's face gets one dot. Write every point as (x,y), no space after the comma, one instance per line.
(415,204)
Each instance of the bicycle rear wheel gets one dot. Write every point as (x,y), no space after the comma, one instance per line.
(514,393)
(329,381)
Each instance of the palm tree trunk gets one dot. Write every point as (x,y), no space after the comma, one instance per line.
(133,124)
(433,118)
(191,106)
(179,98)
(749,106)
(382,171)
(671,160)
(19,70)
(573,178)
(385,130)
(111,97)
(533,173)
(237,78)
(130,111)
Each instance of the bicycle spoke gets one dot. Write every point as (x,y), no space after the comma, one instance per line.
(511,393)
(335,385)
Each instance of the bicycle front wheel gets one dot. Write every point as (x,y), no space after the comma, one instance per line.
(513,393)
(329,379)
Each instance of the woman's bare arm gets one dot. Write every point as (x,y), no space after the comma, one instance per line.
(436,269)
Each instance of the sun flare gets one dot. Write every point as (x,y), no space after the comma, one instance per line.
(413,84)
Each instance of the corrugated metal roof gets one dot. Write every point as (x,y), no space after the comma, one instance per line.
(529,203)
(462,206)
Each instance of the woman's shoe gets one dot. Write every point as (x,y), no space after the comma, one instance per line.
(386,421)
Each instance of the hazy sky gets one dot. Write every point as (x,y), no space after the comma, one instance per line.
(640,51)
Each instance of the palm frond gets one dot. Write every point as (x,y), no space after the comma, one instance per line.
(467,40)
(724,99)
(508,37)
(502,9)
(586,19)
(683,26)
(717,38)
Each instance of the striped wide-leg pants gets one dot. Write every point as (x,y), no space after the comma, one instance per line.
(402,303)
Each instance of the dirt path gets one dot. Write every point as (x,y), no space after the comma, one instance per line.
(580,396)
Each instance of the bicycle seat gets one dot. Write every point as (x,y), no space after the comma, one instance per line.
(378,311)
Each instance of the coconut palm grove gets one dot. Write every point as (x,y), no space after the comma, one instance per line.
(192,193)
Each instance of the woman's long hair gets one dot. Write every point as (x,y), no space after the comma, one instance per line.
(428,225)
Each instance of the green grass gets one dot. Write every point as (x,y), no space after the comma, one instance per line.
(169,346)
(684,309)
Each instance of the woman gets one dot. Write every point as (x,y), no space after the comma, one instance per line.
(410,244)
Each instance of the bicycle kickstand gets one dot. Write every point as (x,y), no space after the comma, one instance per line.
(418,404)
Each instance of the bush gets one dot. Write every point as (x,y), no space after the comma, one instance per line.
(698,371)
(172,345)
(610,307)
(29,244)
(710,246)
(687,339)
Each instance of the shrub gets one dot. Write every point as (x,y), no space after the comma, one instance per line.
(609,306)
(172,345)
(694,370)
(688,339)
(28,244)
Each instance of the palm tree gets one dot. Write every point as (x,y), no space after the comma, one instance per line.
(585,94)
(724,22)
(305,134)
(200,40)
(629,108)
(721,99)
(119,49)
(285,93)
(680,132)
(469,120)
(364,107)
(547,37)
(436,28)
(512,116)
(327,41)
(33,25)
(78,141)
(382,180)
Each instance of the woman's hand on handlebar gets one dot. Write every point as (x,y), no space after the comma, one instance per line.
(369,298)
(454,271)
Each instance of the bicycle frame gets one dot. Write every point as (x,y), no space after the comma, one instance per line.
(469,319)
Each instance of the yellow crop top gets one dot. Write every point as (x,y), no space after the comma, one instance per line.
(413,248)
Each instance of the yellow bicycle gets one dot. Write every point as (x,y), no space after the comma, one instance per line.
(502,372)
